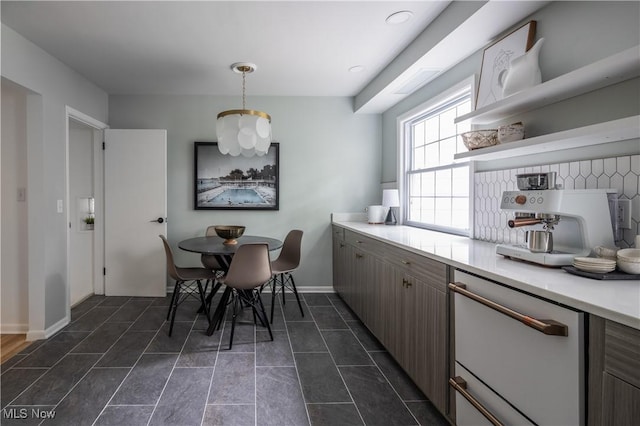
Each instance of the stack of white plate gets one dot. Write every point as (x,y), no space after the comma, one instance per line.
(594,264)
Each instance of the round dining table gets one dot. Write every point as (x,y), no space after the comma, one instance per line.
(223,253)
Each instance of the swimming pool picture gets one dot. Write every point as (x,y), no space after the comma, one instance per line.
(224,182)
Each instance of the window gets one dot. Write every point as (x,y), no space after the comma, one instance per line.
(436,190)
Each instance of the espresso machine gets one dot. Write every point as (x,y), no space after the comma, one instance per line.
(560,224)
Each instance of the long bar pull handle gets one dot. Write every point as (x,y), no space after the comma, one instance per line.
(459,384)
(546,326)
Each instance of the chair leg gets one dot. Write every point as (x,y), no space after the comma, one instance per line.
(203,299)
(295,291)
(173,298)
(233,318)
(264,315)
(282,288)
(176,298)
(274,283)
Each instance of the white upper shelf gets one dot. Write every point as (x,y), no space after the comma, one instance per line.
(595,134)
(614,69)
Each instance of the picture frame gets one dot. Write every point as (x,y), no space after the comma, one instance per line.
(224,182)
(496,59)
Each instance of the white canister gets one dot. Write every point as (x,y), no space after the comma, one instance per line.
(376,214)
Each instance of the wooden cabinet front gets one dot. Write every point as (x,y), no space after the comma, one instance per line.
(401,297)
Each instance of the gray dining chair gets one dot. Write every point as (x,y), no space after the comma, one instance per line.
(281,268)
(250,268)
(188,284)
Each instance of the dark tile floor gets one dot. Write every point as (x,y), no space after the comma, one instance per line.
(116,365)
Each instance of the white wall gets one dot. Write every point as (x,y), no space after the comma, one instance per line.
(80,188)
(54,86)
(329,162)
(14,278)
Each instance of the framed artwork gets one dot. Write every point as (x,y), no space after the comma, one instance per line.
(496,59)
(223,182)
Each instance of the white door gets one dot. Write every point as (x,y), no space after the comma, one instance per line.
(135,212)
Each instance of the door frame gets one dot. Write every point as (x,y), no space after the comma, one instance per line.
(98,194)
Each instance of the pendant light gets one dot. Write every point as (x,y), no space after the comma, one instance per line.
(243,131)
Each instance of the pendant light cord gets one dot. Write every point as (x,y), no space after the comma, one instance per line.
(244,83)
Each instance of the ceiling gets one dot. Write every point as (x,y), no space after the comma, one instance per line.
(301,48)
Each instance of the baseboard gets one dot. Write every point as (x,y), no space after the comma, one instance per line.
(57,326)
(14,328)
(315,289)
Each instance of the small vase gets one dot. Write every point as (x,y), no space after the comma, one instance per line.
(524,71)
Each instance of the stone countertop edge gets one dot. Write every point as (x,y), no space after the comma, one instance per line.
(616,300)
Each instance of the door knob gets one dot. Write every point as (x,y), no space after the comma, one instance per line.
(159,220)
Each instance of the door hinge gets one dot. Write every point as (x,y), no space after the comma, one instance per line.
(104,271)
(103,146)
(69,225)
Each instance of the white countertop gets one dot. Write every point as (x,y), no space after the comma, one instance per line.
(617,300)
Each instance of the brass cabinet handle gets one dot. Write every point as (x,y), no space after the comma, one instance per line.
(409,284)
(406,262)
(460,385)
(358,241)
(546,326)
(358,256)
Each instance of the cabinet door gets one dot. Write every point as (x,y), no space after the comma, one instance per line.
(340,275)
(620,402)
(429,366)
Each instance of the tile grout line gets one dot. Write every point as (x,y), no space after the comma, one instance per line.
(295,363)
(215,363)
(134,364)
(61,358)
(338,369)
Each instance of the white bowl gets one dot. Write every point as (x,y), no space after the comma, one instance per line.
(629,267)
(629,255)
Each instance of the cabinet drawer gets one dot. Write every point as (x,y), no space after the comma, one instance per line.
(622,352)
(468,415)
(428,270)
(338,232)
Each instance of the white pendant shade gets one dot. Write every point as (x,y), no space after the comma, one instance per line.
(243,131)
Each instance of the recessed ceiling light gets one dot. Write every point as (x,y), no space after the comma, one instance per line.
(399,17)
(357,68)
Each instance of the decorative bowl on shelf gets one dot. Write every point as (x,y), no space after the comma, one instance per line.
(511,132)
(480,138)
(229,233)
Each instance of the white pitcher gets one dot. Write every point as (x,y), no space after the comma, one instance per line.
(523,71)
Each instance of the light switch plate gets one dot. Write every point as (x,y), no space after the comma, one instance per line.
(60,206)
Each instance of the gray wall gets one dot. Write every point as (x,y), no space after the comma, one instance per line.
(50,86)
(576,34)
(329,162)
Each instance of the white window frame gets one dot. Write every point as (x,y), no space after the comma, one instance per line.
(403,157)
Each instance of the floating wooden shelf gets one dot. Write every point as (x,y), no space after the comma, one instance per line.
(614,69)
(595,134)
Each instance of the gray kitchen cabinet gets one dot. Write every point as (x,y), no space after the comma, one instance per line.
(401,297)
(614,373)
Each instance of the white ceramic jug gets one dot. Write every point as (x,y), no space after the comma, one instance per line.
(523,71)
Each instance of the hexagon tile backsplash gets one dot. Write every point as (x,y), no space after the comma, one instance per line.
(621,173)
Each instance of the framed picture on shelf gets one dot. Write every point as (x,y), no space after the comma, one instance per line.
(223,182)
(496,59)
